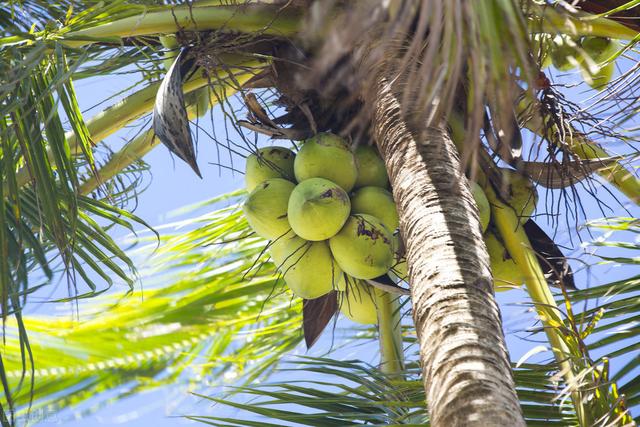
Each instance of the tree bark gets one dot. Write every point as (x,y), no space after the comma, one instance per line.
(465,365)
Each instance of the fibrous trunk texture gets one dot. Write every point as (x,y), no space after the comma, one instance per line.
(465,365)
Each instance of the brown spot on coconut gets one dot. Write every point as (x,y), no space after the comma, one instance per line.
(363,247)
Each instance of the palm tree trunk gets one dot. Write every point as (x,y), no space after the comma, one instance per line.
(465,365)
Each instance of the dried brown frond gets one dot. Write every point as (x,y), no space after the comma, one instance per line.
(562,127)
(433,52)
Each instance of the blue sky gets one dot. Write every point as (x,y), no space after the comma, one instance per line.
(173,186)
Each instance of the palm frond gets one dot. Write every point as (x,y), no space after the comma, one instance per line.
(45,223)
(196,310)
(48,224)
(351,392)
(610,312)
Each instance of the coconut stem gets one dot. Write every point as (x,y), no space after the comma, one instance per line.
(390,332)
(266,19)
(583,24)
(616,174)
(519,247)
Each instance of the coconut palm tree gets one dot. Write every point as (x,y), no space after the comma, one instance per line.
(401,74)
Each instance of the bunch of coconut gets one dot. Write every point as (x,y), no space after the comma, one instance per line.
(329,216)
(521,195)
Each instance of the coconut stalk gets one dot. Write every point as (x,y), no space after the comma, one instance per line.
(517,243)
(252,18)
(390,332)
(548,20)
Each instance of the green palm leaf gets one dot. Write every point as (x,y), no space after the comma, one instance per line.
(196,304)
(348,392)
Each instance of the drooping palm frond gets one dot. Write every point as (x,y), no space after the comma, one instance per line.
(46,223)
(37,76)
(608,314)
(200,308)
(340,393)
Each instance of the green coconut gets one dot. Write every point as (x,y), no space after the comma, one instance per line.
(523,196)
(318,208)
(506,273)
(326,156)
(565,55)
(598,77)
(269,162)
(308,268)
(483,204)
(266,208)
(377,202)
(596,72)
(371,169)
(363,248)
(599,49)
(603,76)
(358,303)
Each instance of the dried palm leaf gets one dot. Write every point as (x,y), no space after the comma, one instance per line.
(170,121)
(316,315)
(556,175)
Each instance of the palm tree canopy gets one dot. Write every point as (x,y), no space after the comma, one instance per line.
(473,66)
